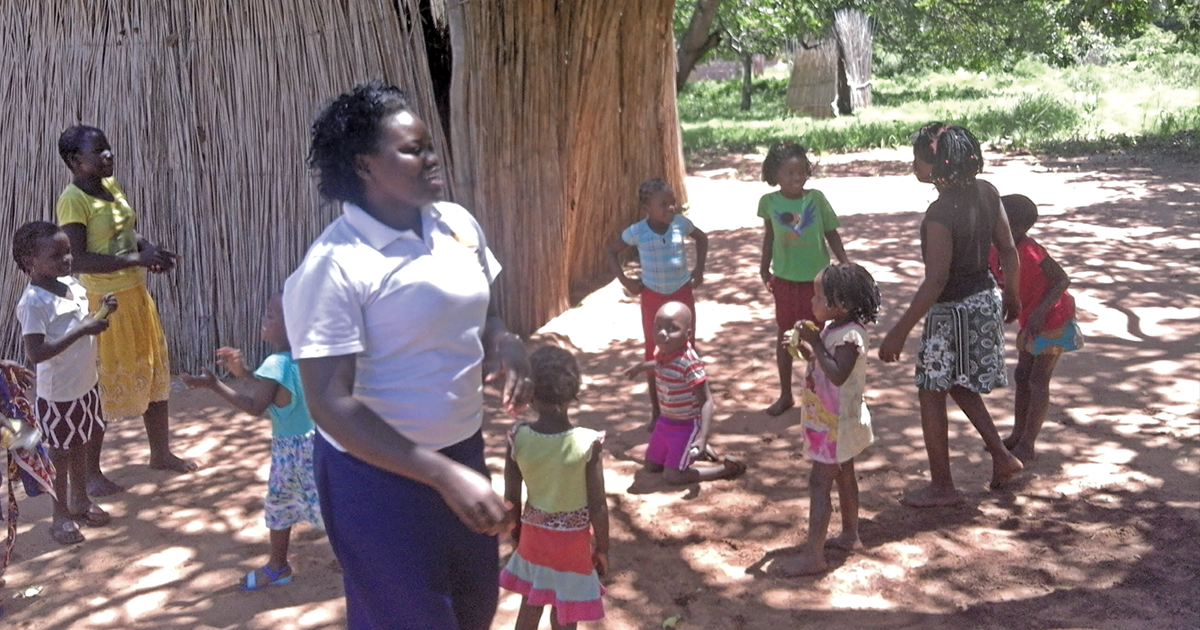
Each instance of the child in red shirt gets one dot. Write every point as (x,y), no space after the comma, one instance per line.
(1047,322)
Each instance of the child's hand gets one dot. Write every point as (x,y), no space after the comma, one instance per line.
(766,278)
(108,305)
(93,326)
(600,561)
(231,359)
(697,277)
(808,331)
(1036,323)
(23,374)
(206,380)
(633,371)
(650,425)
(631,285)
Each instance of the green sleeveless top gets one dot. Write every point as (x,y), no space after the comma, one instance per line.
(554,466)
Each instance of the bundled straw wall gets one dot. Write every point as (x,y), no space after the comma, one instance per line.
(559,111)
(208,106)
(812,88)
(855,41)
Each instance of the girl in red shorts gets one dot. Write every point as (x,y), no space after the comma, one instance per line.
(800,231)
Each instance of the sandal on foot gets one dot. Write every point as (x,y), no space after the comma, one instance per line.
(734,467)
(66,533)
(94,516)
(269,577)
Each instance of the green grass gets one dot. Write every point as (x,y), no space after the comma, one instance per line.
(1144,97)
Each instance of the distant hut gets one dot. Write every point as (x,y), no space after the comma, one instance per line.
(832,75)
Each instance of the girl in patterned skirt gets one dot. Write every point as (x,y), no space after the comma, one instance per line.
(291,488)
(562,536)
(59,336)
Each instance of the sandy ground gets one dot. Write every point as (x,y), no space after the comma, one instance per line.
(1100,534)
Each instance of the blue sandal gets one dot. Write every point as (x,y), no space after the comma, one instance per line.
(253,583)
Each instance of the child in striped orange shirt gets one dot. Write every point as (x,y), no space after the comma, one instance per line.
(685,403)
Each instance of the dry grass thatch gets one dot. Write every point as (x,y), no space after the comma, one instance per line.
(208,106)
(855,40)
(560,110)
(812,88)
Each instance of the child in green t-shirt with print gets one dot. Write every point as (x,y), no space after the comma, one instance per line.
(800,231)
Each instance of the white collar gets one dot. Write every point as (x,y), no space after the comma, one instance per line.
(379,235)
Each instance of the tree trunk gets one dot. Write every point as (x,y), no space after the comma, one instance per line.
(558,111)
(696,41)
(747,79)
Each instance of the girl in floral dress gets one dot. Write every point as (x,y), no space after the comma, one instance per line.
(562,535)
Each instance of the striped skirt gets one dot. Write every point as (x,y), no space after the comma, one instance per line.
(72,423)
(553,565)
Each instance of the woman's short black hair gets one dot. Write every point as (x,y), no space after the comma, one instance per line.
(852,286)
(952,150)
(651,187)
(26,239)
(70,141)
(1022,213)
(348,127)
(555,375)
(779,153)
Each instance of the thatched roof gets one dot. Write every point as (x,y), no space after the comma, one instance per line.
(208,107)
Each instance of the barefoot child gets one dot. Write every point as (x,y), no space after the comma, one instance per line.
(59,336)
(1047,322)
(681,432)
(291,489)
(837,424)
(799,232)
(665,274)
(558,561)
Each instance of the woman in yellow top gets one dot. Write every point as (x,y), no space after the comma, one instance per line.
(110,257)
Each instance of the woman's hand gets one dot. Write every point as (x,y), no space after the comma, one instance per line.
(892,346)
(470,495)
(508,358)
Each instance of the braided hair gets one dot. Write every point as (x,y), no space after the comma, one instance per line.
(779,153)
(555,375)
(852,286)
(1022,213)
(953,152)
(26,239)
(70,141)
(651,187)
(348,127)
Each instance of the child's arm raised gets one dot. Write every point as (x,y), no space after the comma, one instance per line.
(598,508)
(38,348)
(937,272)
(613,253)
(512,490)
(263,392)
(633,371)
(701,239)
(764,266)
(1059,284)
(838,364)
(834,240)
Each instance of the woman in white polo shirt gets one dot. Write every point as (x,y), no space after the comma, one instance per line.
(390,318)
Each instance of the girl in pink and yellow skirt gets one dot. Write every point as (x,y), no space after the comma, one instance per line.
(562,535)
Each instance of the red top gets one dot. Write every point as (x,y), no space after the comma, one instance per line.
(1034,284)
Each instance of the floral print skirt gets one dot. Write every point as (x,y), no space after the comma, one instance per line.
(963,345)
(291,488)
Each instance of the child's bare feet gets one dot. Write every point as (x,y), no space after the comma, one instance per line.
(734,468)
(779,406)
(65,532)
(845,540)
(929,496)
(807,563)
(100,486)
(1004,468)
(1024,453)
(173,463)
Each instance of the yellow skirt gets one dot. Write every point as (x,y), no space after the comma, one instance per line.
(134,368)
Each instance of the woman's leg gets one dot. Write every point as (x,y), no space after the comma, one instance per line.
(1038,400)
(935,429)
(847,485)
(1021,399)
(820,508)
(1004,465)
(157,420)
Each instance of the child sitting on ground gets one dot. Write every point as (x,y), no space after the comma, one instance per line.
(659,240)
(799,233)
(681,433)
(59,336)
(291,488)
(558,561)
(1047,322)
(837,424)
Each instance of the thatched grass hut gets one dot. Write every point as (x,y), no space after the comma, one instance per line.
(832,75)
(208,106)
